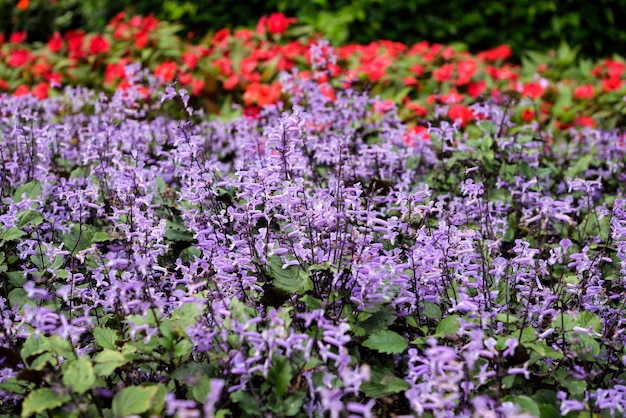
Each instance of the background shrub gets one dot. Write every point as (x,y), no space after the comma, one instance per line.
(481,24)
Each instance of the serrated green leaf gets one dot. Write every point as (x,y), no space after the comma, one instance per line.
(280,375)
(29,217)
(288,279)
(431,311)
(32,190)
(40,400)
(11,234)
(106,337)
(78,375)
(448,326)
(107,361)
(177,232)
(134,400)
(525,403)
(388,342)
(378,321)
(101,236)
(245,401)
(383,383)
(589,320)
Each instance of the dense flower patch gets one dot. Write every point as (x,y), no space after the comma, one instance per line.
(318,259)
(242,67)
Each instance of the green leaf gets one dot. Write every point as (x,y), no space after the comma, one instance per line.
(11,234)
(387,342)
(378,321)
(134,400)
(107,361)
(448,326)
(30,216)
(293,403)
(245,401)
(101,236)
(106,337)
(589,320)
(525,403)
(279,376)
(32,190)
(549,411)
(288,279)
(177,232)
(40,400)
(431,311)
(78,374)
(383,383)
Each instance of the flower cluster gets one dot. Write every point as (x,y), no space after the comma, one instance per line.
(317,259)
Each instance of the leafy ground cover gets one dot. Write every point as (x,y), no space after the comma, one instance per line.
(319,256)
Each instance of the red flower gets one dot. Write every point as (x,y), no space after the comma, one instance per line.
(328,92)
(98,45)
(475,89)
(196,86)
(190,60)
(141,40)
(3,85)
(261,94)
(460,112)
(410,81)
(55,43)
(501,52)
(611,84)
(382,107)
(22,4)
(585,121)
(532,90)
(18,37)
(528,115)
(417,109)
(19,58)
(584,92)
(166,71)
(40,91)
(231,82)
(416,132)
(277,23)
(465,70)
(221,37)
(443,73)
(22,90)
(75,40)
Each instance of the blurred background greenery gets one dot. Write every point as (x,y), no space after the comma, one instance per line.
(594,27)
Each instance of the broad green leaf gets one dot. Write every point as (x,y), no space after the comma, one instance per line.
(32,190)
(549,411)
(383,383)
(201,389)
(79,375)
(387,342)
(101,236)
(525,403)
(106,337)
(35,345)
(431,311)
(107,361)
(448,326)
(280,375)
(177,232)
(62,347)
(30,216)
(133,400)
(378,321)
(11,234)
(288,279)
(293,403)
(245,401)
(41,400)
(588,319)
